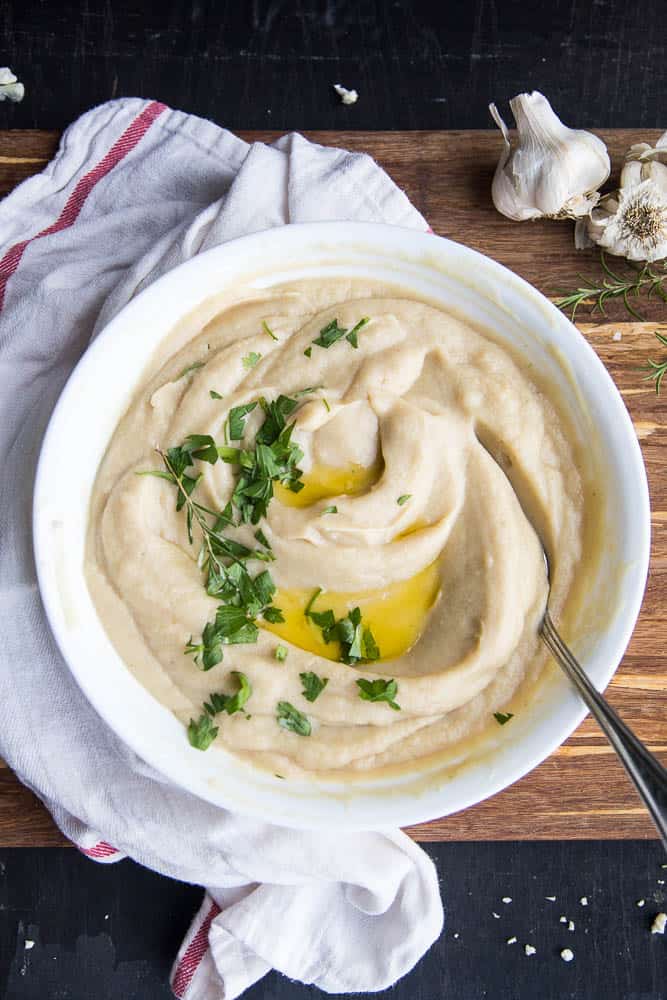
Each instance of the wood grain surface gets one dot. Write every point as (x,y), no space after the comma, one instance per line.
(580,792)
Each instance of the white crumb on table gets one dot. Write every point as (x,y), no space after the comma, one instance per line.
(617,335)
(28,945)
(584,900)
(346,96)
(552,899)
(661,881)
(659,924)
(570,925)
(495,915)
(641,902)
(563,920)
(511,940)
(507,899)
(529,950)
(567,954)
(456,935)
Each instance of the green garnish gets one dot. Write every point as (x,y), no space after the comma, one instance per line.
(326,404)
(261,538)
(638,281)
(250,360)
(213,394)
(313,686)
(357,641)
(231,626)
(656,369)
(379,690)
(503,717)
(273,615)
(403,499)
(267,329)
(190,369)
(330,510)
(292,719)
(202,732)
(308,351)
(332,333)
(230,703)
(236,420)
(281,653)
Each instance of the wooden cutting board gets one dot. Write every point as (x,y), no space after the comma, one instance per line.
(581,790)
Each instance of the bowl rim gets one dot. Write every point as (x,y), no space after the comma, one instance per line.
(577,351)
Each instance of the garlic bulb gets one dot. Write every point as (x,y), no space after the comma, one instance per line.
(10,88)
(553,170)
(632,222)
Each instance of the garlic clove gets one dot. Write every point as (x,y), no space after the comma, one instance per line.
(553,171)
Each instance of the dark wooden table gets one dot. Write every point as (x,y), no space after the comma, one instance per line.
(111,932)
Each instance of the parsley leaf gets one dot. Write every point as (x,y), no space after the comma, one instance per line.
(213,394)
(250,360)
(281,653)
(308,351)
(230,703)
(404,499)
(267,329)
(202,732)
(237,416)
(201,446)
(313,686)
(332,333)
(379,690)
(190,369)
(273,615)
(329,510)
(357,641)
(503,717)
(292,719)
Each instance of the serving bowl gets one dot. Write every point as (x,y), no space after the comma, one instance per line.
(460,281)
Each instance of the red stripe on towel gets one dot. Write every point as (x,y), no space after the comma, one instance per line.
(121,147)
(193,954)
(100,850)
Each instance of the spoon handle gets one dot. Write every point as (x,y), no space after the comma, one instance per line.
(645,770)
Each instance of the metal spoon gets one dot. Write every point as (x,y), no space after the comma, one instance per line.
(646,772)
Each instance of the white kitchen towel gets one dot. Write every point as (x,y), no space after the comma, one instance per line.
(134,189)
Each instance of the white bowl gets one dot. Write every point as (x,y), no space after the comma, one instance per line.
(458,279)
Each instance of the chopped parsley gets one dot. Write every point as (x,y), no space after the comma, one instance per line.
(379,690)
(190,369)
(503,717)
(250,360)
(213,394)
(404,499)
(236,420)
(292,719)
(313,686)
(332,333)
(230,703)
(357,641)
(267,329)
(202,732)
(330,510)
(281,653)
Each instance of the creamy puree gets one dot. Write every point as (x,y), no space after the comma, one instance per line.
(451,581)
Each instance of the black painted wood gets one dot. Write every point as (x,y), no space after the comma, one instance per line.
(110,932)
(417,64)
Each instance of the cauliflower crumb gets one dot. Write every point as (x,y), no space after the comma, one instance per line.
(567,954)
(511,940)
(661,881)
(529,950)
(28,945)
(346,96)
(570,925)
(641,902)
(659,924)
(552,899)
(507,899)
(584,900)
(496,915)
(617,335)
(563,920)
(456,935)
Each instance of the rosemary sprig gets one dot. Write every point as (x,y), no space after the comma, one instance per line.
(643,281)
(656,369)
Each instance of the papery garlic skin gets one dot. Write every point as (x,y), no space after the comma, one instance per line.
(553,171)
(10,88)
(632,222)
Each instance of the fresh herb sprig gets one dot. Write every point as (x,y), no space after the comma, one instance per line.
(657,369)
(332,333)
(642,281)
